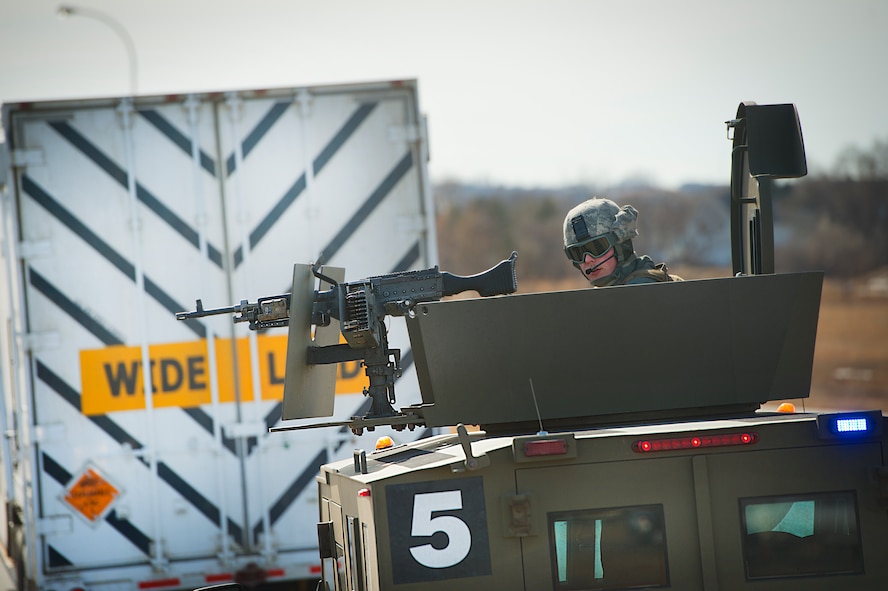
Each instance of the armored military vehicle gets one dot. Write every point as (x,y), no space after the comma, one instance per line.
(620,441)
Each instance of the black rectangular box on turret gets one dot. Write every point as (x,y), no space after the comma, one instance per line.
(732,342)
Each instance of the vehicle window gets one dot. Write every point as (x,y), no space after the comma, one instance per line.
(617,548)
(792,536)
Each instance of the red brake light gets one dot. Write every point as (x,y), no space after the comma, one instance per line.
(156,583)
(696,441)
(545,447)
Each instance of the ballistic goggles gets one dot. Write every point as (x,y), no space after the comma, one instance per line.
(596,247)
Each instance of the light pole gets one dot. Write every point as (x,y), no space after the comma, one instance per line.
(66,10)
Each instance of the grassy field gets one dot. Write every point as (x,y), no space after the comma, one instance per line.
(851,356)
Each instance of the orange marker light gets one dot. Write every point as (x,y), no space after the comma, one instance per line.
(384,442)
(786,407)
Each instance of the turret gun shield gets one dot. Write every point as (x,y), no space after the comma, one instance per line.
(309,390)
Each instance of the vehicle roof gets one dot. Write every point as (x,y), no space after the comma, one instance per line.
(446,450)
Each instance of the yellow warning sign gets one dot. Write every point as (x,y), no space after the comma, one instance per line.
(91,495)
(111,378)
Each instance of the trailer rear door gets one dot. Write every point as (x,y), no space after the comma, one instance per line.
(127,212)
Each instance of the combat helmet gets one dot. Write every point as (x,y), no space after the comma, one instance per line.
(597,224)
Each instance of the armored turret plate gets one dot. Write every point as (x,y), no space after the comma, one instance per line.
(664,348)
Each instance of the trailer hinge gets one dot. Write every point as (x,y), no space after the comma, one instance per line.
(5,163)
(304,100)
(405,133)
(23,158)
(55,524)
(410,224)
(49,433)
(254,429)
(42,341)
(34,249)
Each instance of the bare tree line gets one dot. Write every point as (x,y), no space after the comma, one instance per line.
(836,221)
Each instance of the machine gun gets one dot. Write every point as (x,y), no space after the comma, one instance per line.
(361,307)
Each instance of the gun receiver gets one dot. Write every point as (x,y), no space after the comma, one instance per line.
(361,307)
(357,304)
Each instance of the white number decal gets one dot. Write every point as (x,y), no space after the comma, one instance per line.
(459,537)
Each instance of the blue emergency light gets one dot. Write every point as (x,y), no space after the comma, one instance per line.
(852,425)
(849,425)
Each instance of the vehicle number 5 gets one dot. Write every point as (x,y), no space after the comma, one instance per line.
(425,523)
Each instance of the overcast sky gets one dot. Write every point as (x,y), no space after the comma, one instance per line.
(531,93)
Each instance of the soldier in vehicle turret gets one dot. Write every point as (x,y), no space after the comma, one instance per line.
(598,237)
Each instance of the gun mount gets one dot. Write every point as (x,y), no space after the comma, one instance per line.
(360,308)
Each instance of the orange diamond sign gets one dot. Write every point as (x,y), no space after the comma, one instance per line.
(91,495)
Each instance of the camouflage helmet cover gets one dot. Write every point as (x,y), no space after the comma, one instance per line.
(597,217)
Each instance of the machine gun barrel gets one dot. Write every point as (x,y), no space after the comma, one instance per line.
(267,312)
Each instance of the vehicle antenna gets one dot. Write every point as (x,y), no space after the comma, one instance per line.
(537,407)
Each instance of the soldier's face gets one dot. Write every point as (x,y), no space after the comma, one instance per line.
(597,267)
